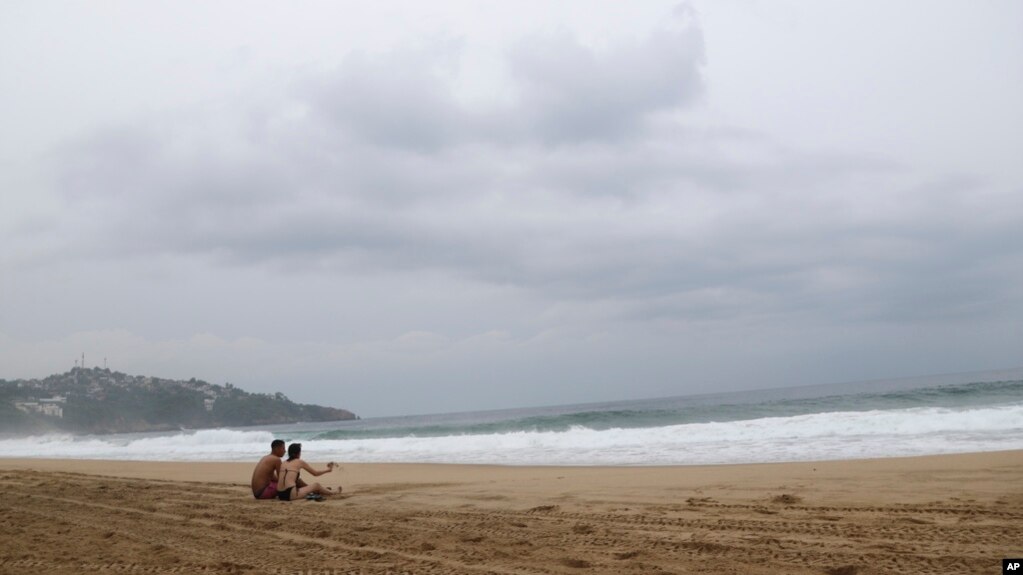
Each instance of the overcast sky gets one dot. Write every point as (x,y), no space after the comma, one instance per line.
(413,207)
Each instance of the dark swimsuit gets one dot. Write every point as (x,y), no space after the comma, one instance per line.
(285,494)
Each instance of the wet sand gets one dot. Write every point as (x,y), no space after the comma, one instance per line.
(940,514)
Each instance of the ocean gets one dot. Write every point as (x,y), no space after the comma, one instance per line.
(922,416)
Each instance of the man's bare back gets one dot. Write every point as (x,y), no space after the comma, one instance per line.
(265,473)
(264,477)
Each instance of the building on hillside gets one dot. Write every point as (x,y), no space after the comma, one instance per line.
(52,407)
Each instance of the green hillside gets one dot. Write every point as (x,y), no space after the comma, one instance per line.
(102,401)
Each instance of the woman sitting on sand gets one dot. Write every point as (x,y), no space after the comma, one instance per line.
(287,486)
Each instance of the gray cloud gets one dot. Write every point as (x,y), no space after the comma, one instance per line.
(381,156)
(569,93)
(397,101)
(650,224)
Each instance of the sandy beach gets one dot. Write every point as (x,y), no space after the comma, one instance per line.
(937,514)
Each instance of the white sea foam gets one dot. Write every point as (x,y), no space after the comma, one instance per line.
(207,444)
(818,436)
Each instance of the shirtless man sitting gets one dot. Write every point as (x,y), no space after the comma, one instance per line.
(264,478)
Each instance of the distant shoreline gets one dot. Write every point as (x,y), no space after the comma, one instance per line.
(169,429)
(738,427)
(100,401)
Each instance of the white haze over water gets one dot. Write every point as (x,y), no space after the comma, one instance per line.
(816,436)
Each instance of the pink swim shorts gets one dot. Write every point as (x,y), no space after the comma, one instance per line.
(269,492)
